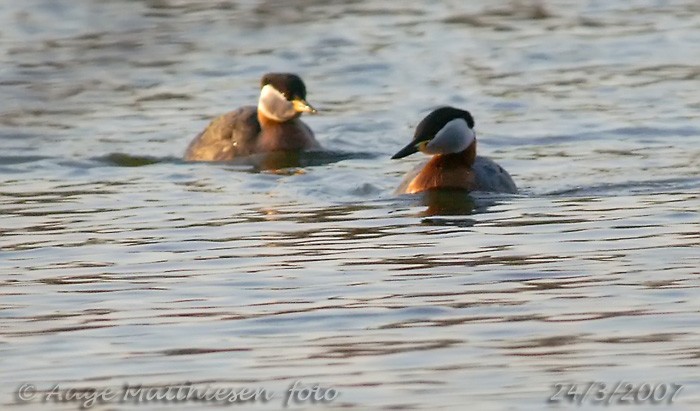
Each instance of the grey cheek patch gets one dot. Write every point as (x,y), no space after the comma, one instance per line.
(454,137)
(274,105)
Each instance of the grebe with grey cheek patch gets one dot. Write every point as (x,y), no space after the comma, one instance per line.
(273,125)
(448,135)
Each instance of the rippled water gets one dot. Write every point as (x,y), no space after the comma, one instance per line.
(121,263)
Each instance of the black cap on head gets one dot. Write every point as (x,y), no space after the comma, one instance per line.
(435,121)
(288,84)
(431,125)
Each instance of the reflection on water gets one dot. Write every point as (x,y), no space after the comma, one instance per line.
(122,263)
(455,202)
(273,162)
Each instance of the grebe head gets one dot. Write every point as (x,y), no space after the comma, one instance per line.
(444,131)
(283,97)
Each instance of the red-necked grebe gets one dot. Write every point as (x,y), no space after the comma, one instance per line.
(273,125)
(448,134)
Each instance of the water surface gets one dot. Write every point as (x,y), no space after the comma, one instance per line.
(121,263)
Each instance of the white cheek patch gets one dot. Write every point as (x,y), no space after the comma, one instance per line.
(274,105)
(454,137)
